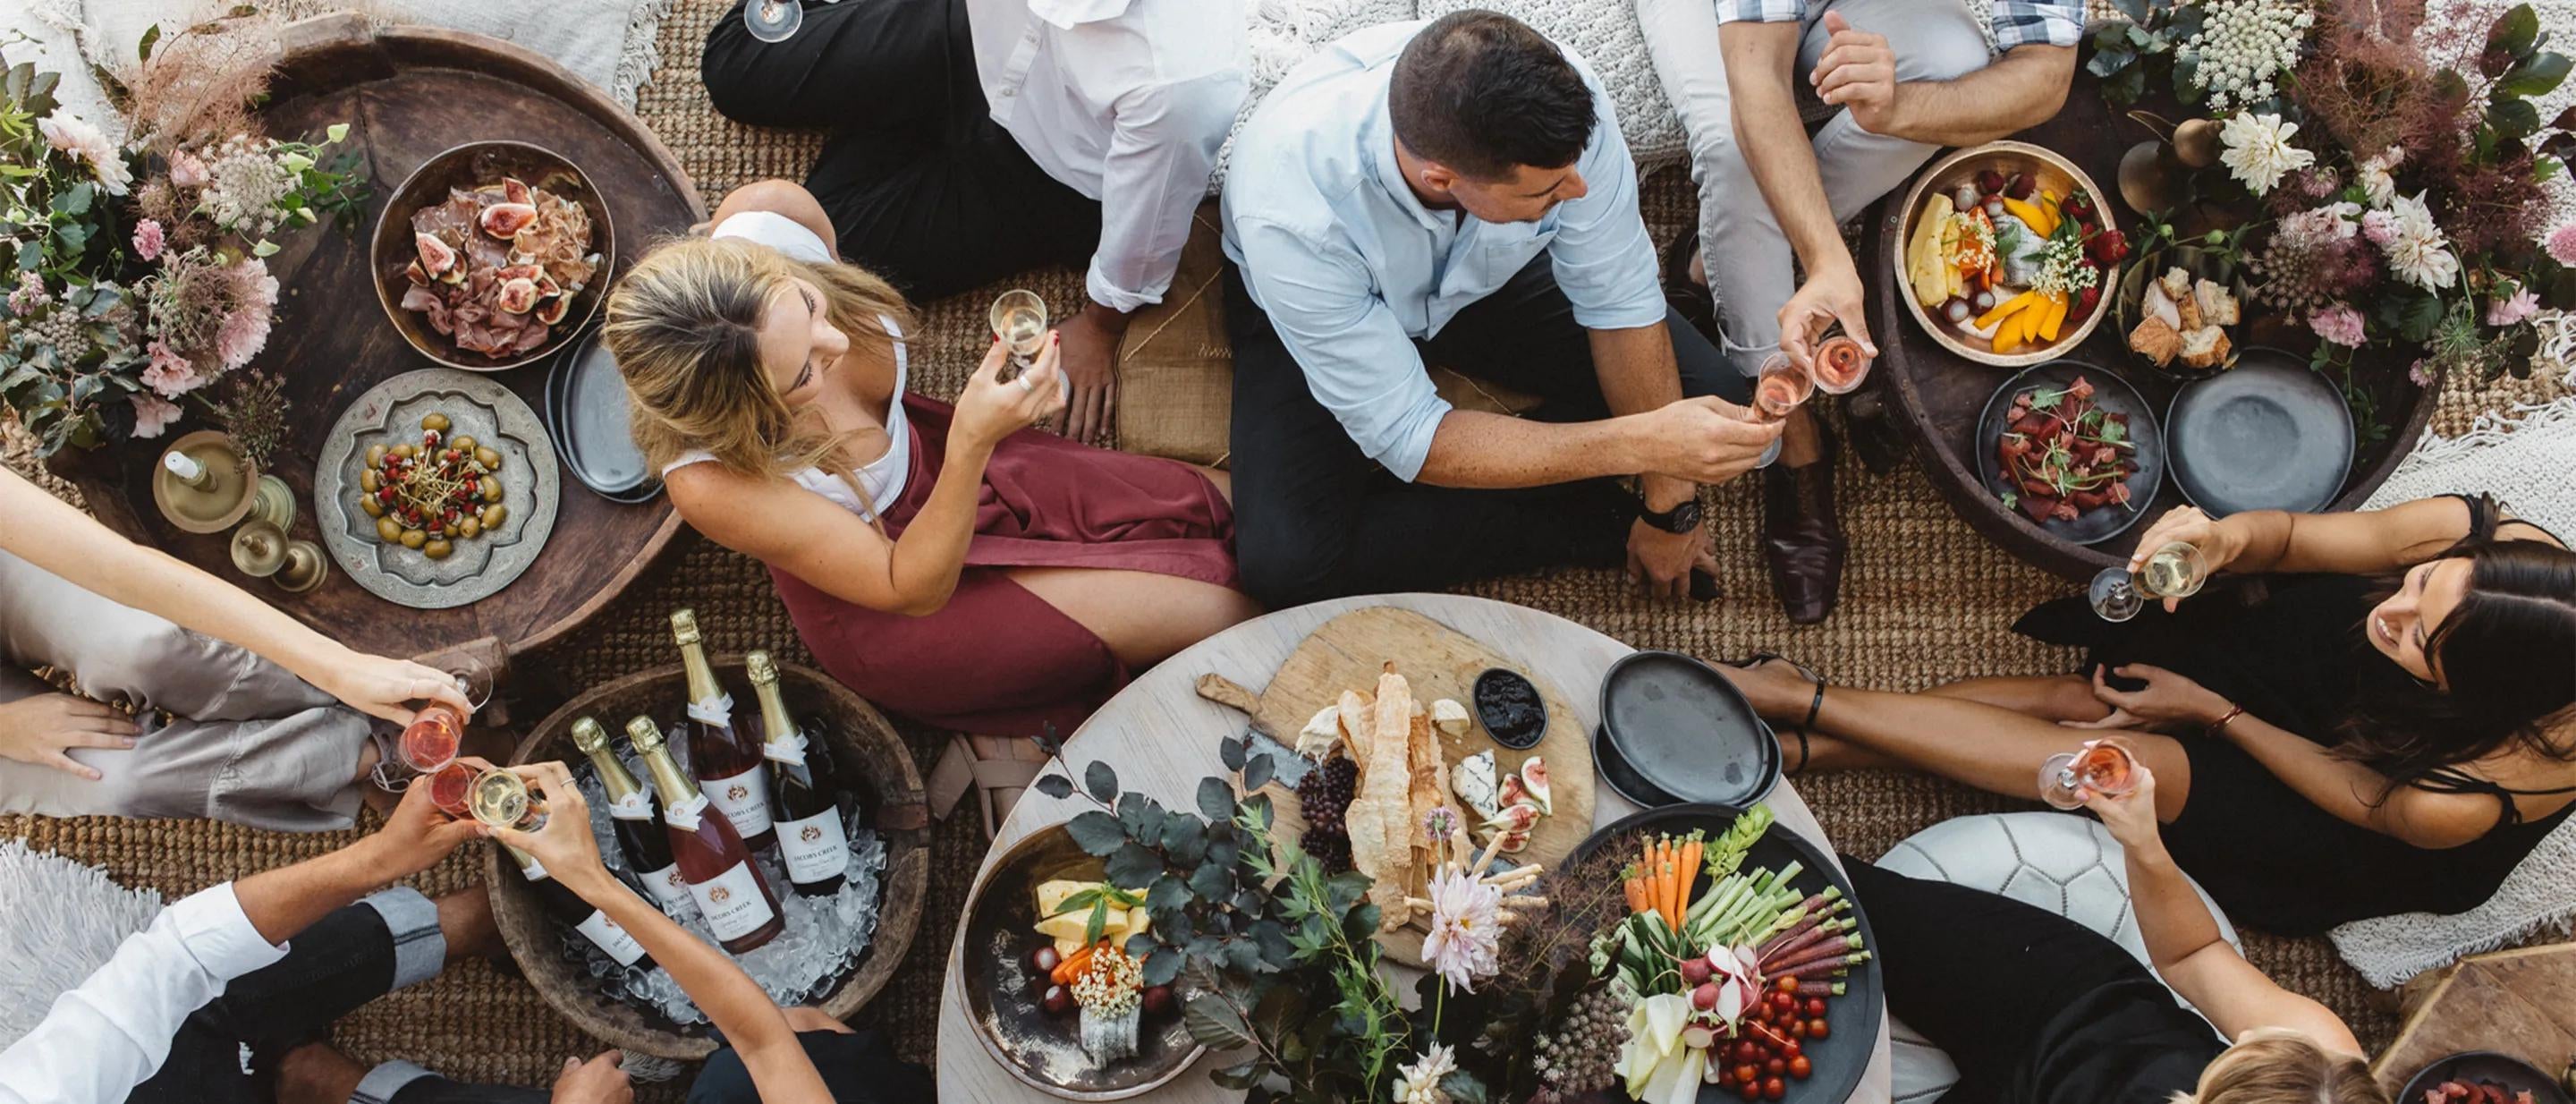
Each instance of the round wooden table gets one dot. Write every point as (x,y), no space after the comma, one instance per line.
(1937,395)
(1162,737)
(409,93)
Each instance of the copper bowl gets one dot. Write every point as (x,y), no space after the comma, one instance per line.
(2055,174)
(467,167)
(1001,992)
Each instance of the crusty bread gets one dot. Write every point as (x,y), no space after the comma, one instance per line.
(2217,307)
(2156,340)
(1380,820)
(2154,303)
(2203,347)
(2177,284)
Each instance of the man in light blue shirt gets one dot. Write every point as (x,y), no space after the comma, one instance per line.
(1458,190)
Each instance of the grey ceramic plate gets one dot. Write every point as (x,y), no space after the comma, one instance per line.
(389,414)
(1002,992)
(1674,729)
(2111,393)
(2269,434)
(586,409)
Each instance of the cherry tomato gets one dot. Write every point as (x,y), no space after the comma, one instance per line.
(1815,1006)
(1797,1029)
(1748,1074)
(1157,999)
(1057,1001)
(1748,1051)
(1776,1066)
(1783,1001)
(1818,1029)
(1749,1090)
(1801,1068)
(1774,1089)
(1788,985)
(1791,1049)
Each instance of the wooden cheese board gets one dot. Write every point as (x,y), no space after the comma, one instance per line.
(1350,651)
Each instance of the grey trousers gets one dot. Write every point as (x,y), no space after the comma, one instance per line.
(250,743)
(1750,265)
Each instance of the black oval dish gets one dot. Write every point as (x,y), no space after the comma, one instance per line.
(1843,1056)
(1676,729)
(2471,1067)
(1510,708)
(2269,434)
(585,412)
(2111,393)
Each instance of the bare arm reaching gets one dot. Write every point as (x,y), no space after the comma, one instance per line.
(2021,89)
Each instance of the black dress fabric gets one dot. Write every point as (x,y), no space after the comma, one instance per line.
(2290,649)
(2032,1007)
(858,1067)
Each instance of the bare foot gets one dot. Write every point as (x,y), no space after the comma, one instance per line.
(1775,688)
(317,1073)
(465,919)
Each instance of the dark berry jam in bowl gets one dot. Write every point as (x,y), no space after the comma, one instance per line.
(1510,708)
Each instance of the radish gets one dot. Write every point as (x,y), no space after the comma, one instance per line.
(1698,1037)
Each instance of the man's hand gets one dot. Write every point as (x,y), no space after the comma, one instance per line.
(38,729)
(1090,363)
(1831,294)
(416,836)
(1857,73)
(1663,561)
(598,1081)
(1703,440)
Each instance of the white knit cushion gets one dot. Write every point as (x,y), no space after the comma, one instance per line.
(2068,865)
(59,920)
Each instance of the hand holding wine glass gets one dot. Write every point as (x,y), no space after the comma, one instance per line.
(2131,815)
(2217,544)
(391,689)
(564,844)
(992,408)
(416,836)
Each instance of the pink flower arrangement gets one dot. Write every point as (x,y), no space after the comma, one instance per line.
(2562,245)
(187,170)
(29,295)
(169,373)
(2380,227)
(245,330)
(152,414)
(149,239)
(2340,324)
(2506,310)
(2421,373)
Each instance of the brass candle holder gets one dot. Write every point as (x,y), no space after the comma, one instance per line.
(272,501)
(305,567)
(259,549)
(203,484)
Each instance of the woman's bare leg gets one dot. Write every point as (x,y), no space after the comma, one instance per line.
(1972,742)
(1224,481)
(1144,617)
(2047,697)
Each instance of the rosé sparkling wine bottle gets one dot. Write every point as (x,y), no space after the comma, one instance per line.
(807,785)
(728,887)
(731,769)
(632,813)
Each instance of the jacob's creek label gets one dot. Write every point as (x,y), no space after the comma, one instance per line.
(732,902)
(743,798)
(611,939)
(815,848)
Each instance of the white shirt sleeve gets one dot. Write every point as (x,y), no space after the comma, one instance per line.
(113,1032)
(1161,153)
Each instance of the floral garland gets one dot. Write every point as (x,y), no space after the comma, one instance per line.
(2382,168)
(141,273)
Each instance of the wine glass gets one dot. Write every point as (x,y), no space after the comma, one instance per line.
(450,787)
(1840,366)
(437,732)
(1781,387)
(2176,569)
(773,20)
(1020,319)
(499,798)
(2114,595)
(2106,769)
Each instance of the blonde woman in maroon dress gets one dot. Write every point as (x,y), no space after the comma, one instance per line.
(949,563)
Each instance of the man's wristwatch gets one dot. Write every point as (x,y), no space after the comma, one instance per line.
(1684,518)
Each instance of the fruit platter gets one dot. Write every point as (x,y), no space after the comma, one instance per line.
(1058,1001)
(1744,964)
(492,255)
(2009,256)
(2073,448)
(436,488)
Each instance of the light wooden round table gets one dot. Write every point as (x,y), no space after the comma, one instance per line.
(1163,737)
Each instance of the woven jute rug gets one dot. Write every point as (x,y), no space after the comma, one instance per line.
(1926,600)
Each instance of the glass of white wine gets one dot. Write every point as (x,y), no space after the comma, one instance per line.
(1020,320)
(773,20)
(2176,569)
(499,798)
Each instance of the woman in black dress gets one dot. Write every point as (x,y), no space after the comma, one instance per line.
(2037,1009)
(2375,708)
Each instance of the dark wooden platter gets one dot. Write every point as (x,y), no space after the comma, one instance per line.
(408,93)
(1935,396)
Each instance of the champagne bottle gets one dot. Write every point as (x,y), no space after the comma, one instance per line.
(727,886)
(632,811)
(563,904)
(730,769)
(805,788)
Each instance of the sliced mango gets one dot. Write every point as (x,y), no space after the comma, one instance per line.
(2056,318)
(2008,307)
(2030,215)
(2008,338)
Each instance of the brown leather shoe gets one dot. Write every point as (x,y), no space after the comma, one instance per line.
(1802,535)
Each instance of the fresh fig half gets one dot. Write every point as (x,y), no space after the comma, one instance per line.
(516,296)
(1534,782)
(528,272)
(508,220)
(414,273)
(437,258)
(514,190)
(553,310)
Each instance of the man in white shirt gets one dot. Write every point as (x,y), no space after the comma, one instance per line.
(1458,190)
(170,1016)
(980,138)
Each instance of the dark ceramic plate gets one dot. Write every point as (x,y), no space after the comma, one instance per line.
(2269,434)
(1843,1056)
(2111,393)
(1496,680)
(2469,1068)
(1002,993)
(586,414)
(1674,729)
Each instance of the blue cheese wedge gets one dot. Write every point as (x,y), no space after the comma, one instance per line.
(1477,785)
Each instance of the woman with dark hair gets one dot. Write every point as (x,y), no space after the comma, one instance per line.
(2374,708)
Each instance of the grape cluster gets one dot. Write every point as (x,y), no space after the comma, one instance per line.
(1324,795)
(1576,1057)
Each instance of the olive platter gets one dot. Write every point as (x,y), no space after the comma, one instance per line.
(429,494)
